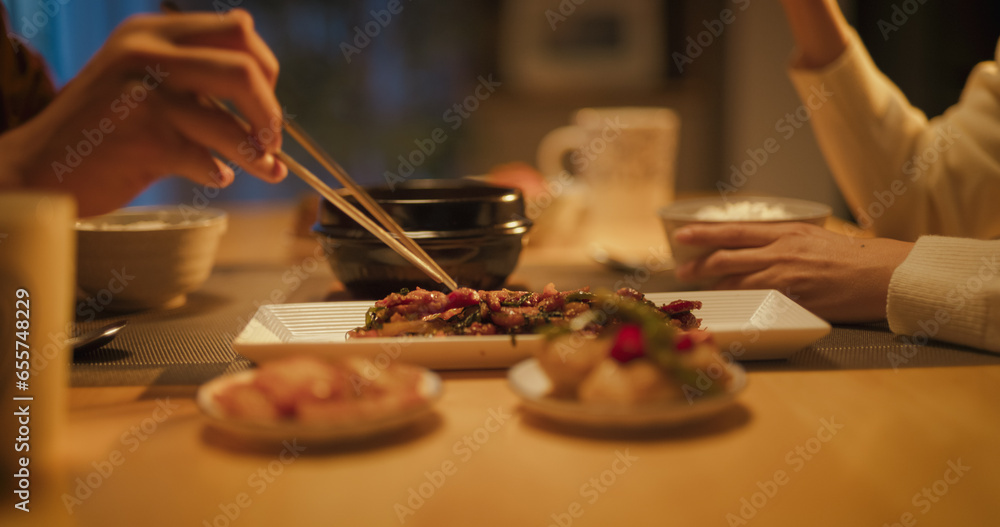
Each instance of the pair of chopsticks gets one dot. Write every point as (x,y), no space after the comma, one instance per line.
(401,243)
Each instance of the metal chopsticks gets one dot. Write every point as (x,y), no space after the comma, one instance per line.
(366,201)
(402,244)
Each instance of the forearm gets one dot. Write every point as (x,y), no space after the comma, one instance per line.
(819,29)
(902,175)
(11,166)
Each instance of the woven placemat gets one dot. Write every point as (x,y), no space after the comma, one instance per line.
(193,343)
(874,346)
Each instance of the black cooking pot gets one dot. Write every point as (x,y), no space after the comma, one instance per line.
(473,230)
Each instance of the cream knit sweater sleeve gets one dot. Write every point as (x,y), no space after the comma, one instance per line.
(948,289)
(902,174)
(905,177)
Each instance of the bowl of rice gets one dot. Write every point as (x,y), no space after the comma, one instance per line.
(734,210)
(145,257)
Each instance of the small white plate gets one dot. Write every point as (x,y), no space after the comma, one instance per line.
(747,325)
(530,383)
(430,388)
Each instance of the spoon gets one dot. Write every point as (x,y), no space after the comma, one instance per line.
(601,255)
(93,340)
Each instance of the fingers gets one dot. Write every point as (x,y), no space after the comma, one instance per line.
(210,54)
(223,176)
(726,262)
(216,130)
(732,235)
(227,75)
(744,281)
(195,162)
(233,30)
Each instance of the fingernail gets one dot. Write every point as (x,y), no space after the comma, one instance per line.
(273,143)
(275,126)
(683,234)
(223,177)
(278,169)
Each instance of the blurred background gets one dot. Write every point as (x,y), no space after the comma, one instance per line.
(371,87)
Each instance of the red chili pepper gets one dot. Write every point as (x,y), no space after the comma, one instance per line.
(628,344)
(684,343)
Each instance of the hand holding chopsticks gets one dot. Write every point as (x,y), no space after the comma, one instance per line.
(385,229)
(403,244)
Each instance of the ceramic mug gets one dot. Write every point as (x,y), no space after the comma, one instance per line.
(624,159)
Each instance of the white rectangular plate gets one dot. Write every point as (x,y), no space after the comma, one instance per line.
(748,325)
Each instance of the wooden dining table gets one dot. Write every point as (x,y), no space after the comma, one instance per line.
(839,434)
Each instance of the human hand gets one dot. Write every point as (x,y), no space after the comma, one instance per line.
(837,277)
(139,111)
(819,29)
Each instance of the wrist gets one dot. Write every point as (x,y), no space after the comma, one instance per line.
(820,31)
(11,164)
(24,161)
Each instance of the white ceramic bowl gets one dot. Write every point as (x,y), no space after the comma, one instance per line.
(742,209)
(146,257)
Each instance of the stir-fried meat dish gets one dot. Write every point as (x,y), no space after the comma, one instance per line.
(501,312)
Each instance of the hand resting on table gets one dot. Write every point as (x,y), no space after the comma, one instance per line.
(837,277)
